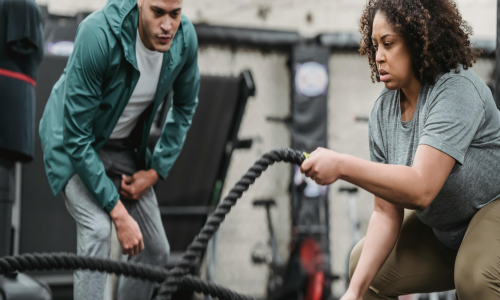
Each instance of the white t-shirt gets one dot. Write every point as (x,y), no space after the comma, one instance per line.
(149,63)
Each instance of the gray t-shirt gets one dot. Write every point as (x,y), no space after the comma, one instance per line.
(458,116)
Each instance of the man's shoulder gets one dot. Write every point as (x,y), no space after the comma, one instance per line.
(94,26)
(190,37)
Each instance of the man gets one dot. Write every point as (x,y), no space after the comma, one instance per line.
(96,125)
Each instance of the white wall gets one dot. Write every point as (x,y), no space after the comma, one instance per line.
(245,226)
(326,15)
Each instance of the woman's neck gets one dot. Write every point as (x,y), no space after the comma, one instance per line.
(408,100)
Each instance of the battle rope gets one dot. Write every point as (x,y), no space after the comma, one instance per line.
(70,261)
(201,240)
(177,276)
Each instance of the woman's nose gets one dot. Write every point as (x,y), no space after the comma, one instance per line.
(379,57)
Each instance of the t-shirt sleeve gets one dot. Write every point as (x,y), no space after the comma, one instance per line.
(23,28)
(375,137)
(455,112)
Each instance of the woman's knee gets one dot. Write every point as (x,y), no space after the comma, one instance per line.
(477,278)
(354,258)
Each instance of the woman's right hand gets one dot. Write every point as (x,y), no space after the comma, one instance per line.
(349,295)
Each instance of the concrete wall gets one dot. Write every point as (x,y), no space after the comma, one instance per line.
(245,226)
(307,17)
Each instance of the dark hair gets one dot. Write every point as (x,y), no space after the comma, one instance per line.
(433,30)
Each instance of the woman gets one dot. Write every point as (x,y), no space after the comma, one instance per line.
(434,138)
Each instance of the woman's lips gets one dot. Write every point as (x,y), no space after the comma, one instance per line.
(384,76)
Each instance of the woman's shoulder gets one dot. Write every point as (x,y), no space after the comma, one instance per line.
(384,101)
(461,79)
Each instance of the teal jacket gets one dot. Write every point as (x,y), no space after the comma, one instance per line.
(96,85)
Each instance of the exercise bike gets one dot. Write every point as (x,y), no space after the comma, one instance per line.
(302,277)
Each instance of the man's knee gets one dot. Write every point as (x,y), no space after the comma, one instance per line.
(477,279)
(157,251)
(101,233)
(354,258)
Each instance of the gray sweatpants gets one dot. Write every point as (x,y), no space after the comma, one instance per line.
(94,231)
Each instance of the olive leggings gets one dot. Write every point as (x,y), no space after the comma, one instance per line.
(420,263)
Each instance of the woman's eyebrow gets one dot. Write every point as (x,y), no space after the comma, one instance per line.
(383,37)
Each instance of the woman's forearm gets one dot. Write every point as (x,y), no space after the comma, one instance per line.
(379,242)
(402,186)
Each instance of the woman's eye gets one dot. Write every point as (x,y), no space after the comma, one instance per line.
(387,44)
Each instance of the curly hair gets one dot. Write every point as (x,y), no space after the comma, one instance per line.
(433,30)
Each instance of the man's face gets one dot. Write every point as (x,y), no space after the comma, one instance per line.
(158,22)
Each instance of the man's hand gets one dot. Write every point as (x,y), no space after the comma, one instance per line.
(323,166)
(128,232)
(135,186)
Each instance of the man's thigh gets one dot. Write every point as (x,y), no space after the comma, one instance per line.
(146,213)
(93,224)
(419,263)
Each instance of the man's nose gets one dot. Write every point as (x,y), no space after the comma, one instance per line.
(166,24)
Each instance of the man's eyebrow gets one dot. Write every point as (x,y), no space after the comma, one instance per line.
(162,11)
(157,8)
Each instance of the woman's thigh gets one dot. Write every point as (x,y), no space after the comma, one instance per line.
(477,269)
(419,263)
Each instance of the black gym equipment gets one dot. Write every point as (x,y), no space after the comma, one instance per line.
(307,124)
(21,50)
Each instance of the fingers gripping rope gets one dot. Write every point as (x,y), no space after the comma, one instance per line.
(176,277)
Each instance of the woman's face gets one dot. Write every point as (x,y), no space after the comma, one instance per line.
(392,55)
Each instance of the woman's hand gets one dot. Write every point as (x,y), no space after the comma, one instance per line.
(323,166)
(351,296)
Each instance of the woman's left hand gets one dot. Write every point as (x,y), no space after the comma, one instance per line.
(323,166)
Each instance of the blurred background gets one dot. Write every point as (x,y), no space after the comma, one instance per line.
(293,70)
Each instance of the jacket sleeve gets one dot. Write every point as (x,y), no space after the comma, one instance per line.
(84,76)
(185,100)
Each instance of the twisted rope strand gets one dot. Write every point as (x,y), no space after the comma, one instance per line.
(70,261)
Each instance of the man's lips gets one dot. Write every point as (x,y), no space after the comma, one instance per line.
(164,38)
